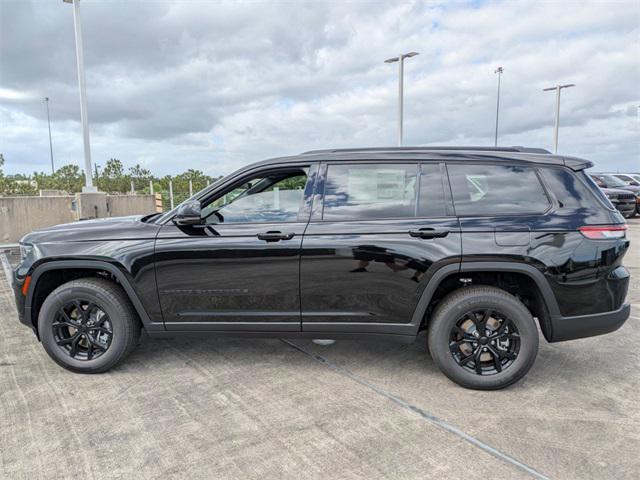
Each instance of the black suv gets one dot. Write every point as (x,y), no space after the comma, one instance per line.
(612,182)
(477,246)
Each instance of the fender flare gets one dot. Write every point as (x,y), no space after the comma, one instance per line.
(529,270)
(92,265)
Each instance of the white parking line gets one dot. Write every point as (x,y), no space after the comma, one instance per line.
(429,417)
(6,266)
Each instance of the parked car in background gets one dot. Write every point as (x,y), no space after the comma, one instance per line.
(476,247)
(607,180)
(623,200)
(629,178)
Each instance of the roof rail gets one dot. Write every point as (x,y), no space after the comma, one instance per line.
(435,148)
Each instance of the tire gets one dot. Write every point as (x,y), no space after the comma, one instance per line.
(108,328)
(512,356)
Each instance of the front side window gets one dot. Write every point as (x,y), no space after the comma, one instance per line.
(485,190)
(269,198)
(362,192)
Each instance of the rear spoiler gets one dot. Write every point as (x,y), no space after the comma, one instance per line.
(577,164)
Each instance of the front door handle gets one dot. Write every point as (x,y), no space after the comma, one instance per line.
(275,236)
(429,233)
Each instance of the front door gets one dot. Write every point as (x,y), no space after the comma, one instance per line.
(239,270)
(377,234)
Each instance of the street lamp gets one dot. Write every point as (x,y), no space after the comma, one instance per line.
(400,59)
(557,88)
(499,71)
(46,101)
(83,97)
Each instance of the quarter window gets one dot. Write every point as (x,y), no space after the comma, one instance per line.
(361,192)
(570,192)
(485,190)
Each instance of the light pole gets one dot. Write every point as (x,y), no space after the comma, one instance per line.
(400,59)
(46,101)
(499,71)
(557,88)
(83,97)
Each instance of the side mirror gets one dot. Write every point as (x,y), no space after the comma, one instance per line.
(188,214)
(634,184)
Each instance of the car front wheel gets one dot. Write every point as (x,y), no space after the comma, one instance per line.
(88,325)
(483,338)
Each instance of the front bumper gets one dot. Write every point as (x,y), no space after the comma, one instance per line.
(581,326)
(20,303)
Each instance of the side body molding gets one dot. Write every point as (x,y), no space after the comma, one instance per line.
(148,324)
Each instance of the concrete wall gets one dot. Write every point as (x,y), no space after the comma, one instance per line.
(119,205)
(20,215)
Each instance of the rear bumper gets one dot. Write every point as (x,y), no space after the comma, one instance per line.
(581,326)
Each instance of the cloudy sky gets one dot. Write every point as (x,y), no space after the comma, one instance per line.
(215,85)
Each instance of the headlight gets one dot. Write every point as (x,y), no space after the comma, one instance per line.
(25,250)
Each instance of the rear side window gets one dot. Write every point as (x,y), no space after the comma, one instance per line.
(361,192)
(570,192)
(485,190)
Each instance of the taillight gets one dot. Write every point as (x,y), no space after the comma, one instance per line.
(603,232)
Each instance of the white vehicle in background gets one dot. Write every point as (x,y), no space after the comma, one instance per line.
(629,178)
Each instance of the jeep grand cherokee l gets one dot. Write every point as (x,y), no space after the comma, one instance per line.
(477,246)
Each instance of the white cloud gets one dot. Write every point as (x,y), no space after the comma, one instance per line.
(213,86)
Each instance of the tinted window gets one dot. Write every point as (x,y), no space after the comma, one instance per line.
(431,200)
(266,199)
(567,188)
(612,181)
(484,190)
(354,192)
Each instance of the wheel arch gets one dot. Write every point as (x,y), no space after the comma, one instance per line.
(544,300)
(47,276)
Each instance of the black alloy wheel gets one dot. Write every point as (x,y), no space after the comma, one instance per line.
(88,325)
(484,341)
(82,330)
(482,337)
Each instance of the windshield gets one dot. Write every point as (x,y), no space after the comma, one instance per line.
(613,181)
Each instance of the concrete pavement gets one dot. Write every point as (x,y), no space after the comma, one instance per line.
(226,408)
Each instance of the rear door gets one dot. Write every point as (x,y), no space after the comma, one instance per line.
(378,232)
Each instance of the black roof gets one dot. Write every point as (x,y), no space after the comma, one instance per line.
(521,155)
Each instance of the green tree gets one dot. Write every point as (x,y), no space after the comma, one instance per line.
(140,178)
(68,178)
(112,179)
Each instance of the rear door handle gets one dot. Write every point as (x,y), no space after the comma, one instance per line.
(429,233)
(275,236)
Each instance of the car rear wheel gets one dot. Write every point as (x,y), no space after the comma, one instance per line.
(88,325)
(483,338)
